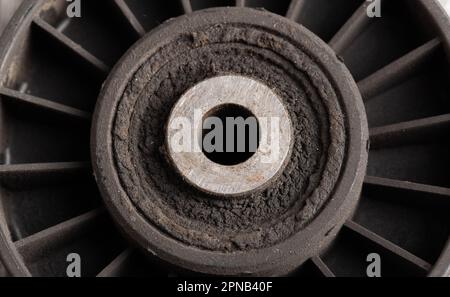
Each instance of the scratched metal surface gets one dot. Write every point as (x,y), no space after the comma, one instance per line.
(446,4)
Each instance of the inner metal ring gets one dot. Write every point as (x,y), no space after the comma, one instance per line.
(274,127)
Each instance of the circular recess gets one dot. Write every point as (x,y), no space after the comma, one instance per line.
(218,96)
(287,208)
(249,142)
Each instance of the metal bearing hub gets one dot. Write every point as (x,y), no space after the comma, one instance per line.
(220,93)
(287,210)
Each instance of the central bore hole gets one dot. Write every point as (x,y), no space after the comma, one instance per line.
(230,134)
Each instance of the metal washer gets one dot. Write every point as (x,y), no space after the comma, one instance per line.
(274,124)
